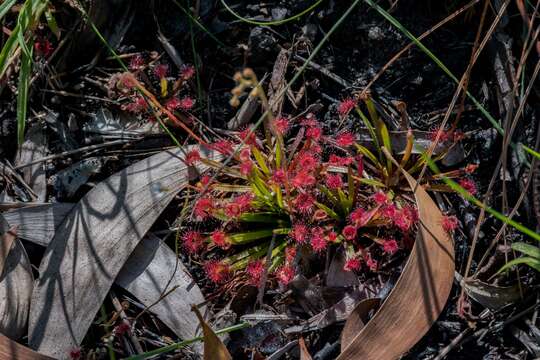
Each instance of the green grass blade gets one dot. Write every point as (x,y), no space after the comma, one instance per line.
(185,343)
(371,130)
(385,136)
(261,217)
(527,249)
(331,213)
(246,237)
(51,23)
(5,7)
(8,49)
(447,71)
(195,60)
(22,94)
(270,23)
(529,261)
(365,151)
(255,251)
(372,182)
(279,154)
(199,24)
(260,160)
(458,189)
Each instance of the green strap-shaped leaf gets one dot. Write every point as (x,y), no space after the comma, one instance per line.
(5,7)
(527,249)
(261,217)
(328,211)
(51,22)
(22,93)
(246,237)
(530,261)
(260,160)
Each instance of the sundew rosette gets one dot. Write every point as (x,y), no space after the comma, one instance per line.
(291,187)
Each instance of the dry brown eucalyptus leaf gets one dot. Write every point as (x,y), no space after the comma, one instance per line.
(304,352)
(419,294)
(214,349)
(357,320)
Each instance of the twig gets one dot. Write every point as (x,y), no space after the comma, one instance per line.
(120,310)
(482,332)
(82,96)
(324,71)
(421,37)
(268,262)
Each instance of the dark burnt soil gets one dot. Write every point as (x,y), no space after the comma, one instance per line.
(355,53)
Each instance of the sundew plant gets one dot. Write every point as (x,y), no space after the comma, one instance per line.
(292,193)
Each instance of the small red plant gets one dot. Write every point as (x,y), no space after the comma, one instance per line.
(193,241)
(220,239)
(345,107)
(349,232)
(43,48)
(217,271)
(285,274)
(75,353)
(192,157)
(130,87)
(161,70)
(449,223)
(302,195)
(255,271)
(136,63)
(187,72)
(282,125)
(121,329)
(345,139)
(390,246)
(352,264)
(468,185)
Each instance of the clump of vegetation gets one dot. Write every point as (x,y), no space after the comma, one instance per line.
(149,73)
(297,192)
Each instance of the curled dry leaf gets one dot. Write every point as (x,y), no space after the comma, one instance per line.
(304,352)
(16,283)
(155,277)
(357,320)
(92,244)
(38,224)
(10,349)
(491,296)
(214,349)
(419,294)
